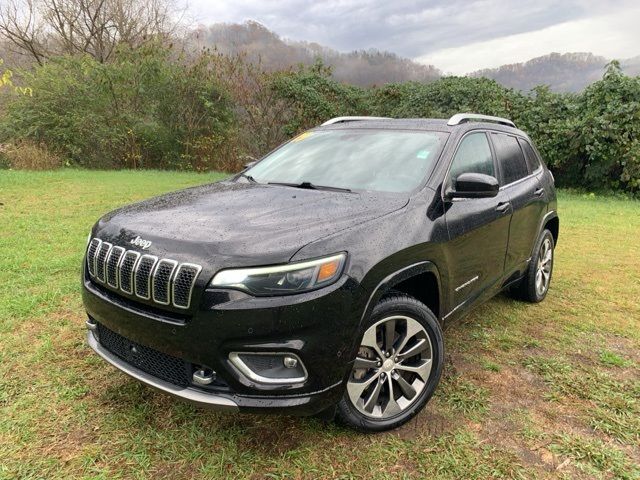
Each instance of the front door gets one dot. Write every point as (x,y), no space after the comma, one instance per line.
(478,228)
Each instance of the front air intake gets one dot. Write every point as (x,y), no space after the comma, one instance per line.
(160,365)
(163,281)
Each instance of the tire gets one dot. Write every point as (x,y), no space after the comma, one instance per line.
(529,288)
(414,366)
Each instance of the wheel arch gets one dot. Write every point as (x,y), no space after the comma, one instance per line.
(553,225)
(420,280)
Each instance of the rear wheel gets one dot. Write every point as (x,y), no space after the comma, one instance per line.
(535,284)
(397,367)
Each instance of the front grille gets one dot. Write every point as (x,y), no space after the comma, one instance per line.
(160,365)
(164,281)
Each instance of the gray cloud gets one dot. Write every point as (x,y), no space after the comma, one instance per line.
(409,28)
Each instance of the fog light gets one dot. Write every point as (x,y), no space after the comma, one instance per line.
(290,362)
(270,367)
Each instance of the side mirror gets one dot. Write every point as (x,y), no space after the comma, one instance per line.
(474,185)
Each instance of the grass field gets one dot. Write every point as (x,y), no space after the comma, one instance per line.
(529,391)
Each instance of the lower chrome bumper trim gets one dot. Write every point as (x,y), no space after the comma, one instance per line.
(188,394)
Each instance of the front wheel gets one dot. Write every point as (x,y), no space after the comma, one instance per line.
(397,367)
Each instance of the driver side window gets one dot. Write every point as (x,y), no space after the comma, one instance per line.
(473,156)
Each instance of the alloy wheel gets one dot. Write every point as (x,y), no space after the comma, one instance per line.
(543,268)
(392,367)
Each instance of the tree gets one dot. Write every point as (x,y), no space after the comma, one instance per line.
(43,28)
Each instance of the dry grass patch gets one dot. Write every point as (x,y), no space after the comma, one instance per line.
(27,155)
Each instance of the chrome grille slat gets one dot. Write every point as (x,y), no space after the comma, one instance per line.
(94,246)
(113,266)
(142,276)
(162,280)
(183,284)
(101,259)
(127,267)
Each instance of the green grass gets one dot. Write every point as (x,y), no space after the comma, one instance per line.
(612,359)
(529,391)
(596,458)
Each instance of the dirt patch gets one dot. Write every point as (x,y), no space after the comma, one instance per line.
(271,436)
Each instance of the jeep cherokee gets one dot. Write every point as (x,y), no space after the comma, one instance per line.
(318,280)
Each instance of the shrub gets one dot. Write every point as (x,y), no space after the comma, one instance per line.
(445,97)
(313,97)
(260,111)
(143,110)
(609,130)
(549,118)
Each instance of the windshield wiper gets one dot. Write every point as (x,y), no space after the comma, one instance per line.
(311,186)
(248,177)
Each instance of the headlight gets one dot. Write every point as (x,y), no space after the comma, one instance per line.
(283,279)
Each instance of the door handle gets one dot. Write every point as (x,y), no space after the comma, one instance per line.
(503,207)
(539,192)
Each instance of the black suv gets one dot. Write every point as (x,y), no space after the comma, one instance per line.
(318,279)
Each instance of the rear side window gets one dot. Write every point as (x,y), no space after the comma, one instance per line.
(510,158)
(473,156)
(532,159)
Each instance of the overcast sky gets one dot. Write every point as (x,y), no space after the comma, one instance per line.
(454,35)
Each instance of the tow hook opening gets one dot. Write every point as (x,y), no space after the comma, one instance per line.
(204,376)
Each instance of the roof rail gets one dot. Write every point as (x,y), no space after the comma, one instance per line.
(350,119)
(459,118)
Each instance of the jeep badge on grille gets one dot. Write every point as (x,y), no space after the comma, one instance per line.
(139,242)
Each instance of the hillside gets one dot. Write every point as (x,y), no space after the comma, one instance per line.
(631,66)
(364,67)
(568,72)
(563,72)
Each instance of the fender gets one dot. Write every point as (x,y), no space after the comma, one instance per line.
(397,277)
(387,284)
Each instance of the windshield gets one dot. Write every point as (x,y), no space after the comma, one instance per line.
(377,160)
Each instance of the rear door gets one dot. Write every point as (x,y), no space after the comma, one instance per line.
(519,180)
(478,227)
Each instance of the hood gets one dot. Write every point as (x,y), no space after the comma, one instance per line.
(249,223)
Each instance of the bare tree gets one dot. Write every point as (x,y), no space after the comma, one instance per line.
(22,26)
(43,28)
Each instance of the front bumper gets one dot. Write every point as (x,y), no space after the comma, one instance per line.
(191,395)
(318,327)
